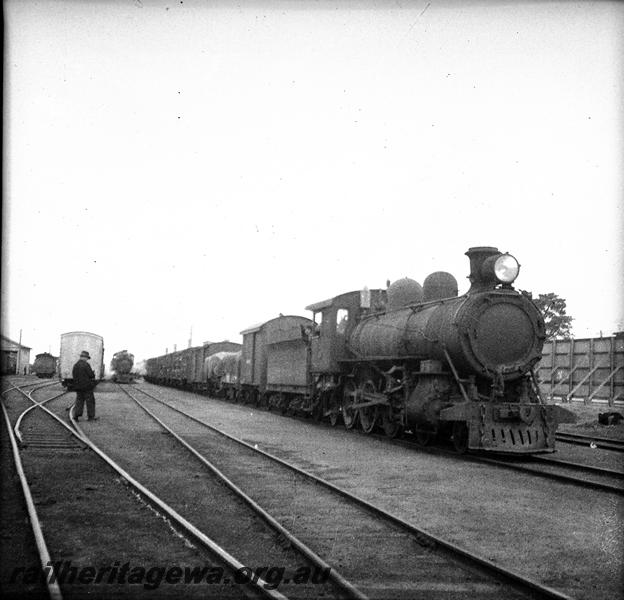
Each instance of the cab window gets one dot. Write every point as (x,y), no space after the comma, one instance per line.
(315,328)
(342,320)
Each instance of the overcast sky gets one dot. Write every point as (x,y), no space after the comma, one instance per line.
(169,164)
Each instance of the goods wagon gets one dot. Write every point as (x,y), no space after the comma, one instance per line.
(72,344)
(274,360)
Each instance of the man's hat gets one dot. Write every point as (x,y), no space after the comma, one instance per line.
(85,354)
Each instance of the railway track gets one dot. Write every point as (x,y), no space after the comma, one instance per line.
(42,439)
(52,587)
(23,382)
(237,503)
(598,478)
(588,440)
(574,473)
(255,587)
(594,477)
(421,563)
(590,476)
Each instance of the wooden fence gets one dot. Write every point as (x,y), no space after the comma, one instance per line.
(588,370)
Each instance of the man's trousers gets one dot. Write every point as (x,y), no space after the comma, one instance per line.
(83,396)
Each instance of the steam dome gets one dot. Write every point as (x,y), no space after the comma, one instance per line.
(404,292)
(439,285)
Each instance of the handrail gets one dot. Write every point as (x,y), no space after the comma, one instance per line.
(457,379)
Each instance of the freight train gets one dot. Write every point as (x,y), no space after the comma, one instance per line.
(45,365)
(121,366)
(192,368)
(410,358)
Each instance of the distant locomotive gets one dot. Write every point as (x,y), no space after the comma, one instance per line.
(44,365)
(121,366)
(415,358)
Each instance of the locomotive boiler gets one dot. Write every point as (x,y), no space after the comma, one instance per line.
(121,366)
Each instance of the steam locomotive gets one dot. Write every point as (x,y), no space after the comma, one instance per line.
(412,357)
(45,365)
(121,366)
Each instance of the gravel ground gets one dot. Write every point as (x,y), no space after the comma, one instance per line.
(566,537)
(598,457)
(587,420)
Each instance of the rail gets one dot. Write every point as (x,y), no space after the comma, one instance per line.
(588,440)
(54,591)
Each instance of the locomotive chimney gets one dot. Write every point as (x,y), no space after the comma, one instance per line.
(477,256)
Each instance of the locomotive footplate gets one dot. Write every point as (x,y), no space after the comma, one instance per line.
(509,427)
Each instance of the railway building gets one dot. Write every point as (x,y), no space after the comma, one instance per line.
(10,361)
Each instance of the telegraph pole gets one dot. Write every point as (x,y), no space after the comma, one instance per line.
(19,355)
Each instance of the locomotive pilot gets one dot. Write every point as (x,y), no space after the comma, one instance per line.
(84,382)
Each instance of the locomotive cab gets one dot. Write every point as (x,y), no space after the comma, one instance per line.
(334,321)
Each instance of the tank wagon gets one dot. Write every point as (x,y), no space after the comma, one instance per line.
(222,373)
(121,366)
(72,344)
(414,358)
(45,365)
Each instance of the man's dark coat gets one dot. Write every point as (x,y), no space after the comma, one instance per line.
(83,375)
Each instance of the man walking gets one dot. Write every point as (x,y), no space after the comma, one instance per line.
(84,382)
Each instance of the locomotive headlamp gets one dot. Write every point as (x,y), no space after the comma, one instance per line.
(489,267)
(506,268)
